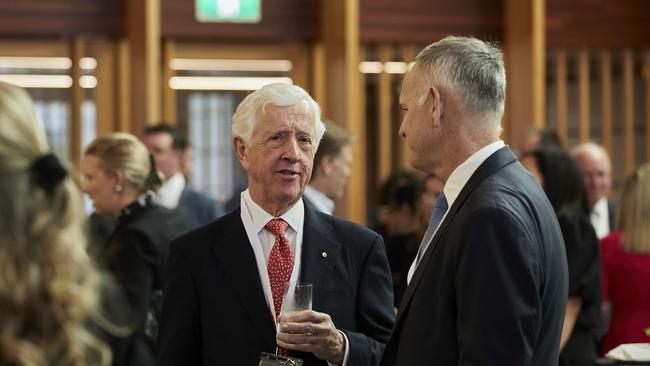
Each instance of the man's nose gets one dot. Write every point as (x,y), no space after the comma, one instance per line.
(291,150)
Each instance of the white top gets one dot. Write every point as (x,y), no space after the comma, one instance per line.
(599,217)
(319,200)
(457,180)
(170,193)
(254,219)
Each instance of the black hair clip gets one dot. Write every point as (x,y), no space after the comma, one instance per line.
(48,171)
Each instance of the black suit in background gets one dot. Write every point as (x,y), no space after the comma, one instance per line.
(202,208)
(135,255)
(491,288)
(215,312)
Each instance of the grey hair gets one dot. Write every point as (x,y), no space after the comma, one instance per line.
(471,70)
(278,94)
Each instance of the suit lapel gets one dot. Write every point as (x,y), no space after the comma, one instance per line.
(491,165)
(319,251)
(234,252)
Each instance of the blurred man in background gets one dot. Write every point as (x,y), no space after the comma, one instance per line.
(596,169)
(331,169)
(168,147)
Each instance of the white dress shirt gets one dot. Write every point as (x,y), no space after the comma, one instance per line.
(169,195)
(254,219)
(319,200)
(599,217)
(456,182)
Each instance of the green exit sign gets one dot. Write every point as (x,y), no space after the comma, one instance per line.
(233,11)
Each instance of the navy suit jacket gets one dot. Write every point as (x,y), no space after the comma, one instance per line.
(491,289)
(199,206)
(214,309)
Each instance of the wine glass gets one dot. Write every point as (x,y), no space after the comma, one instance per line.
(296,296)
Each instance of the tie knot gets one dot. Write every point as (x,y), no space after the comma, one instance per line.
(276,226)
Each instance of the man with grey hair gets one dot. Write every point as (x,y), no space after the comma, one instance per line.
(223,288)
(489,283)
(596,169)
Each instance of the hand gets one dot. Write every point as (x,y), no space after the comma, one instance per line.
(311,331)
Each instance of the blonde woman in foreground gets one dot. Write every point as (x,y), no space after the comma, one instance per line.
(49,289)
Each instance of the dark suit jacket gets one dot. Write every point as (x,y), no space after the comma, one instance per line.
(199,206)
(215,312)
(492,287)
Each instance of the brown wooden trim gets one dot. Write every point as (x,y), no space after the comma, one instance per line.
(646,63)
(77,46)
(628,97)
(583,92)
(318,87)
(123,76)
(106,84)
(524,53)
(169,94)
(606,102)
(561,95)
(384,98)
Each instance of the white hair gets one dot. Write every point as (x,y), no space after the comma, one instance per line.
(593,149)
(278,94)
(471,70)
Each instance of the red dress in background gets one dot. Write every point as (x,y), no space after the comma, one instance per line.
(626,284)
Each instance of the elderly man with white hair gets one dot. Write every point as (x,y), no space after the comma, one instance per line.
(596,169)
(223,287)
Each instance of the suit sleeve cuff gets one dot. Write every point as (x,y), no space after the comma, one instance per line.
(347,352)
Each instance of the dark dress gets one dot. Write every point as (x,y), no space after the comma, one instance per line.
(135,255)
(583,257)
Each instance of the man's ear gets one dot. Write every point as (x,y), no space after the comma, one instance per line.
(437,105)
(241,150)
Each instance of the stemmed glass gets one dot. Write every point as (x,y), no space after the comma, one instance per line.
(296,296)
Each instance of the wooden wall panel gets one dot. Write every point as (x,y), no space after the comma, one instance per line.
(282,20)
(60,18)
(598,23)
(418,21)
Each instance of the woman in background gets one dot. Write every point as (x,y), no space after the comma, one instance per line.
(559,175)
(49,289)
(626,265)
(120,177)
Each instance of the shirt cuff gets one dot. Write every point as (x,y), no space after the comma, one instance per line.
(347,352)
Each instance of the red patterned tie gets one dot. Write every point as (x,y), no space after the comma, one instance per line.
(280,263)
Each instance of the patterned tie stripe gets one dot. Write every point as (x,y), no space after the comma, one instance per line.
(436,216)
(280,263)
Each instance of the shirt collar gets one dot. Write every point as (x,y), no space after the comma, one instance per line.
(321,201)
(461,175)
(260,217)
(170,193)
(600,208)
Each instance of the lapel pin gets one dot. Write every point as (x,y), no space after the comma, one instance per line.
(324,254)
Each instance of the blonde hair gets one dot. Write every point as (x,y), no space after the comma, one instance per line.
(49,288)
(125,153)
(634,213)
